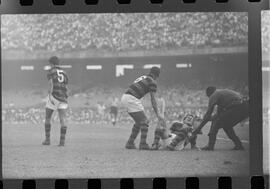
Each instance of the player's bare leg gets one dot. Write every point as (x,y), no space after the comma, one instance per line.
(63,129)
(48,116)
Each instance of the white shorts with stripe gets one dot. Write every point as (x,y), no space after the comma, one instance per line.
(131,103)
(54,104)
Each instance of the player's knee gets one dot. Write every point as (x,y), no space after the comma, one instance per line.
(62,121)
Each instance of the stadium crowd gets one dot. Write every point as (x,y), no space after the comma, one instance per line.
(116,32)
(122,32)
(87,115)
(93,105)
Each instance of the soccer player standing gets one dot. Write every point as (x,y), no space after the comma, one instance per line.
(114,110)
(231,109)
(57,99)
(132,101)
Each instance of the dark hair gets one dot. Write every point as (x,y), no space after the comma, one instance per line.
(210,90)
(54,60)
(155,71)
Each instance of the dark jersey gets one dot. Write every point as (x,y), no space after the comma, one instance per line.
(223,98)
(141,86)
(59,80)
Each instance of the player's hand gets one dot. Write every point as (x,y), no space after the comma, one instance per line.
(161,123)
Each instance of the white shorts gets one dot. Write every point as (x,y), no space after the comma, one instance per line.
(131,103)
(54,104)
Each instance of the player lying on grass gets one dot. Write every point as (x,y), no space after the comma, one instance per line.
(177,137)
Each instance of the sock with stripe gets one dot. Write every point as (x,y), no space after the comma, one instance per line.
(63,131)
(158,134)
(134,133)
(47,131)
(144,131)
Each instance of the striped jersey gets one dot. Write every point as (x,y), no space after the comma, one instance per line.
(59,80)
(141,86)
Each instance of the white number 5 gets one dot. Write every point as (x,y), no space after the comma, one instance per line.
(60,76)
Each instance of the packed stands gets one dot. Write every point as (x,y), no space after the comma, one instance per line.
(122,32)
(60,33)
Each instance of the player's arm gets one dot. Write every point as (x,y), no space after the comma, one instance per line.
(50,82)
(163,107)
(50,86)
(206,117)
(154,104)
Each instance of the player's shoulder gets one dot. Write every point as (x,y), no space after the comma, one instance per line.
(150,78)
(52,70)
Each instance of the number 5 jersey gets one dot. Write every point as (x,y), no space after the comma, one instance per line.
(59,83)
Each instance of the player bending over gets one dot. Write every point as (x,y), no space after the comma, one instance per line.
(57,99)
(179,136)
(131,100)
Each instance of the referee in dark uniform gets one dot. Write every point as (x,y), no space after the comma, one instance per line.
(232,108)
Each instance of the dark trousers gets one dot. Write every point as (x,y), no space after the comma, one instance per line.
(226,120)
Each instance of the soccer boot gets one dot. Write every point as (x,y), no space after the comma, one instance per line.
(46,142)
(144,146)
(130,146)
(238,148)
(61,143)
(207,148)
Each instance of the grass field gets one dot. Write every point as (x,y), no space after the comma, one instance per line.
(98,151)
